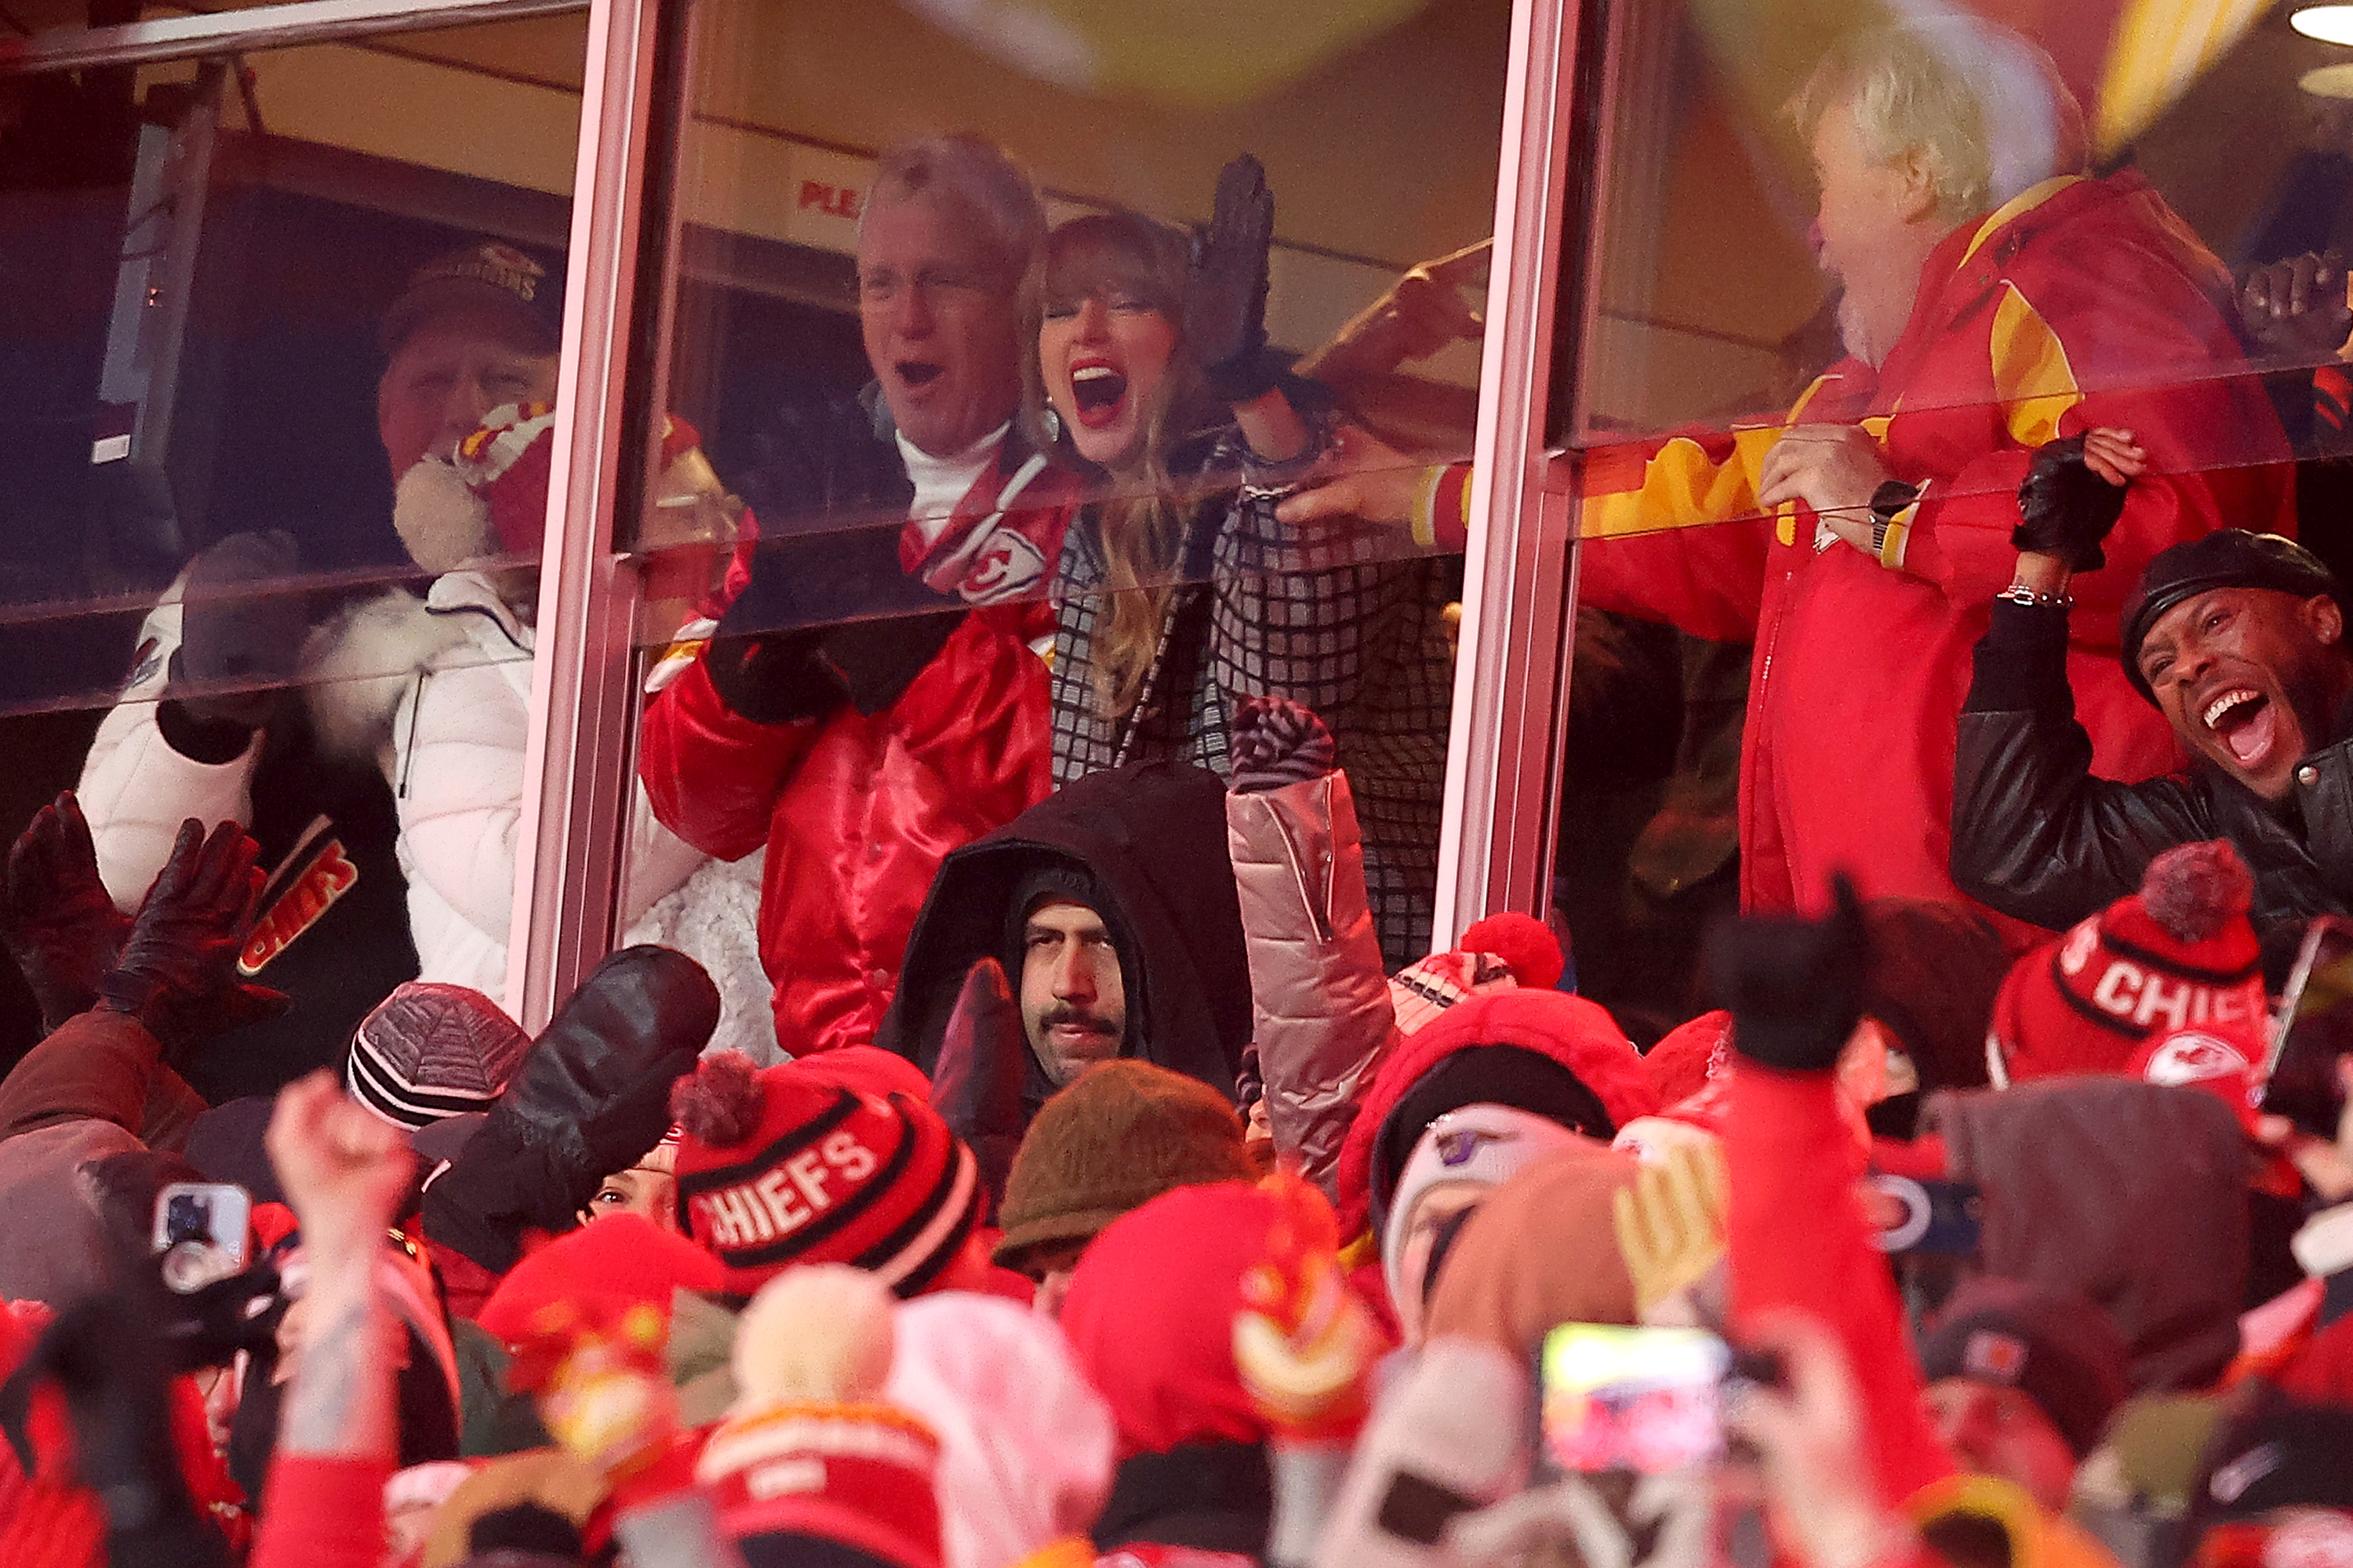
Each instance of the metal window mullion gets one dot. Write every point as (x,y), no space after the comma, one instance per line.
(577,786)
(1512,674)
(266,26)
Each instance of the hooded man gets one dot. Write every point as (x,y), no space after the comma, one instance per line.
(1112,905)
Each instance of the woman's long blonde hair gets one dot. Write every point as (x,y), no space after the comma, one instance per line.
(1142,519)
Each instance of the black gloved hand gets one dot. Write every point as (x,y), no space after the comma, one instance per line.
(984,1062)
(104,1358)
(241,623)
(56,918)
(177,971)
(591,1098)
(2064,509)
(1225,294)
(1277,742)
(1795,987)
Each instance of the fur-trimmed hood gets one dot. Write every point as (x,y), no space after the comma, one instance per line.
(358,662)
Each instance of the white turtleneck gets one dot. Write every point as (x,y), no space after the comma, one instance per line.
(943,483)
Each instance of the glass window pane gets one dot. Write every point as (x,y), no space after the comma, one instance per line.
(1846,272)
(1001,529)
(266,289)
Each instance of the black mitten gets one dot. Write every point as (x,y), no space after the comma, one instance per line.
(772,677)
(1795,987)
(875,661)
(177,971)
(983,1062)
(1277,742)
(56,918)
(1225,292)
(2064,509)
(591,1098)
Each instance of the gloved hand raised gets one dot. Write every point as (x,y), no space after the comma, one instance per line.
(1277,742)
(591,1098)
(177,971)
(1225,294)
(976,1083)
(56,918)
(2073,494)
(1794,986)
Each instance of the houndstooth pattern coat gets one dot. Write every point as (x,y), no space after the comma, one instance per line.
(1343,618)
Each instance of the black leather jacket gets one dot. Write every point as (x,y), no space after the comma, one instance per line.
(2037,837)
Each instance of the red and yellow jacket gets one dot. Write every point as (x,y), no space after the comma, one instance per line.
(2082,302)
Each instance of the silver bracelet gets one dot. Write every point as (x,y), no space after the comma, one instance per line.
(2019,593)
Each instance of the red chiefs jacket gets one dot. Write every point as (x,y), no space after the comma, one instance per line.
(858,807)
(2082,302)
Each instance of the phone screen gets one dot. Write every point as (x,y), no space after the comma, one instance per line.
(1648,1401)
(2314,1027)
(200,1232)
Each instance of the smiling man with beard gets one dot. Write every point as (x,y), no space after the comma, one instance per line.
(2239,639)
(1993,295)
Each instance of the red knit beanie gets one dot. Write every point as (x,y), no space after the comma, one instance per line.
(790,1165)
(2179,954)
(621,1259)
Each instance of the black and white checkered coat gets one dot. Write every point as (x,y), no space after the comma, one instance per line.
(1343,618)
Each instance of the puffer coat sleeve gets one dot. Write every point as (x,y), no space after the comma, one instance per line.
(1319,1000)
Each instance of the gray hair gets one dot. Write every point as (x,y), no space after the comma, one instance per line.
(1984,110)
(974,170)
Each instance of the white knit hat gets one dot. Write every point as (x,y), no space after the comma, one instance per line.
(1483,1143)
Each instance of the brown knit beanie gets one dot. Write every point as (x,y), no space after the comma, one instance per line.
(1122,1134)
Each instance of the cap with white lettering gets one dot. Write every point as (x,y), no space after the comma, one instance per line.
(788,1165)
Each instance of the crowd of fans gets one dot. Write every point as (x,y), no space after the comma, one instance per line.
(1026,1125)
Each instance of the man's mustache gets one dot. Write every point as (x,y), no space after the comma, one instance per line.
(1076,1018)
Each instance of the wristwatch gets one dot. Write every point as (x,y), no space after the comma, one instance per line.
(1887,503)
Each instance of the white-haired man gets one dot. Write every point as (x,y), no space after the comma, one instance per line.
(1992,297)
(867,702)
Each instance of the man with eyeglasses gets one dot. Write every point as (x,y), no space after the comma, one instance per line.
(868,701)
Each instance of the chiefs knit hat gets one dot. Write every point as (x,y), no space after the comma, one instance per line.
(786,1166)
(809,1451)
(1122,1133)
(429,1051)
(2053,1346)
(488,274)
(2179,954)
(2228,558)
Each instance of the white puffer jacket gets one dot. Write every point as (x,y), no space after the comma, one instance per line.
(136,790)
(440,691)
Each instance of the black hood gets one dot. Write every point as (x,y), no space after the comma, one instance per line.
(1153,836)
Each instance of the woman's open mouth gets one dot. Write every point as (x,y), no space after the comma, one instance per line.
(1098,393)
(2246,724)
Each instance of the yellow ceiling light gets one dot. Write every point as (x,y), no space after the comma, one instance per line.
(2329,24)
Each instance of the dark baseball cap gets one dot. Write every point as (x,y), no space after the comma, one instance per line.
(2056,1347)
(486,274)
(2228,558)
